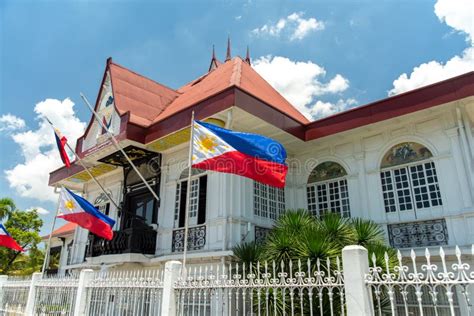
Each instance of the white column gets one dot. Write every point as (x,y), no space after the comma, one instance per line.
(355,263)
(81,296)
(172,272)
(30,303)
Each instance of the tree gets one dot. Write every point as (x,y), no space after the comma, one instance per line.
(24,226)
(298,235)
(7,206)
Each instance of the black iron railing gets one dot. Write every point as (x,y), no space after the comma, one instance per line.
(418,234)
(130,240)
(196,238)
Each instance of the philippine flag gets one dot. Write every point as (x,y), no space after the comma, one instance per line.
(78,210)
(249,155)
(61,143)
(6,240)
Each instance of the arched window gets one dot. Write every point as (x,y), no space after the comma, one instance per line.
(197,207)
(327,190)
(409,179)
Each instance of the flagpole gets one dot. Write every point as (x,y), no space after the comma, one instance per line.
(188,192)
(88,172)
(117,145)
(48,247)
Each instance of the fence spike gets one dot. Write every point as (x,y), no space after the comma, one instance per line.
(458,252)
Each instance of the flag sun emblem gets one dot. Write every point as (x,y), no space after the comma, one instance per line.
(69,205)
(207,143)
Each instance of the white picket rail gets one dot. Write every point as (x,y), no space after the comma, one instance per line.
(419,286)
(56,295)
(14,294)
(125,293)
(425,285)
(268,287)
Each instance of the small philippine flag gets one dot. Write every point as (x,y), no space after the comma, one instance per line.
(6,240)
(61,143)
(78,210)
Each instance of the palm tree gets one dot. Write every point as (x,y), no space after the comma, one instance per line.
(7,206)
(300,236)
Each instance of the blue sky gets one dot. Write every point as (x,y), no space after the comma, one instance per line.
(325,56)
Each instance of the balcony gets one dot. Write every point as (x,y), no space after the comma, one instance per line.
(196,238)
(129,240)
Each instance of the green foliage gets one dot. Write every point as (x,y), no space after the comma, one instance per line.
(24,226)
(7,206)
(298,235)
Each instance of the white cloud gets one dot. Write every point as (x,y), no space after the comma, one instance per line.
(9,122)
(434,71)
(38,149)
(301,82)
(39,210)
(458,14)
(294,26)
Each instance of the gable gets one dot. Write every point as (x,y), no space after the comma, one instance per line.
(106,110)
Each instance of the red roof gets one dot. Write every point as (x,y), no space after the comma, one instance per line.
(150,102)
(65,230)
(144,98)
(235,83)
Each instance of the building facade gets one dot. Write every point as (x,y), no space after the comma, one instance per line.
(406,162)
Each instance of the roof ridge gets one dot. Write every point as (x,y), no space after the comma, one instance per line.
(144,77)
(236,72)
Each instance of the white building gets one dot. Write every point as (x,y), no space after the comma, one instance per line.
(406,162)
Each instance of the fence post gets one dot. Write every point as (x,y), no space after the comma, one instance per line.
(355,263)
(81,295)
(3,280)
(30,303)
(172,271)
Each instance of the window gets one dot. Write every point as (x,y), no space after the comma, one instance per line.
(101,202)
(409,179)
(327,190)
(269,202)
(198,193)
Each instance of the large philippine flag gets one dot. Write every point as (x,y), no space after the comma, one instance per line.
(6,240)
(61,143)
(249,155)
(78,210)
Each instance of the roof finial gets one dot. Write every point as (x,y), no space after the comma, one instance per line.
(213,64)
(228,56)
(247,56)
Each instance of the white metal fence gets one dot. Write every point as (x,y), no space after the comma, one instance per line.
(301,288)
(431,284)
(125,293)
(14,295)
(422,286)
(55,295)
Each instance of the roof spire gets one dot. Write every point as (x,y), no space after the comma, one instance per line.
(228,56)
(247,56)
(213,64)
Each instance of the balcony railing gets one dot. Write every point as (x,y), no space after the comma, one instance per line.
(418,234)
(130,240)
(196,238)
